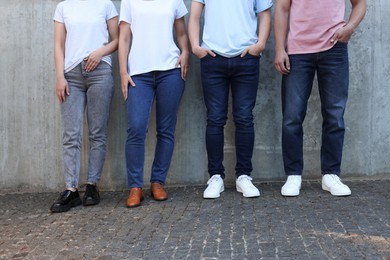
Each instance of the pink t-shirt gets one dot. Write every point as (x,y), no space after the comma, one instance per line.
(312,24)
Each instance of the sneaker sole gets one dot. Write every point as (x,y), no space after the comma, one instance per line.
(289,194)
(247,195)
(65,208)
(326,188)
(214,197)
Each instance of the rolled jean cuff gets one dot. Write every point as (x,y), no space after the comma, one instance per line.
(238,174)
(218,173)
(293,173)
(330,172)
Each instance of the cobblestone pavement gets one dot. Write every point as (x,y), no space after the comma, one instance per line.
(314,225)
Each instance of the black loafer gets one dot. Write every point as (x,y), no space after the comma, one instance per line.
(91,195)
(65,201)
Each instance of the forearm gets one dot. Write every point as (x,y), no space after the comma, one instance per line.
(181,35)
(194,24)
(123,52)
(59,61)
(264,27)
(124,47)
(357,14)
(108,48)
(281,19)
(59,49)
(182,40)
(193,33)
(112,46)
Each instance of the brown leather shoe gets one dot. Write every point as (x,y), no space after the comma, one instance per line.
(158,192)
(135,197)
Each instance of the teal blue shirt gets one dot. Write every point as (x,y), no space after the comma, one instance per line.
(231,25)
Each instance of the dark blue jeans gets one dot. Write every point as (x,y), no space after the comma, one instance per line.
(166,87)
(241,75)
(333,79)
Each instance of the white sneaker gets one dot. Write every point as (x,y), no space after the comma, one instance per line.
(214,188)
(333,184)
(292,186)
(245,186)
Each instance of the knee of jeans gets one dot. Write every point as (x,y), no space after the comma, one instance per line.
(71,139)
(216,121)
(98,131)
(292,119)
(334,125)
(243,121)
(213,129)
(334,116)
(245,128)
(166,136)
(136,134)
(98,139)
(166,127)
(291,127)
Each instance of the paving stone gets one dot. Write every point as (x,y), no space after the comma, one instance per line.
(315,225)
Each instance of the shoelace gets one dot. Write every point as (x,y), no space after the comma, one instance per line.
(294,180)
(245,178)
(63,196)
(337,180)
(214,178)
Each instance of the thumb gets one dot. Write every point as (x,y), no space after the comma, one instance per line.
(288,63)
(211,53)
(177,63)
(334,38)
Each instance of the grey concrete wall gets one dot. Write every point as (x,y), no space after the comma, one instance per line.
(30,124)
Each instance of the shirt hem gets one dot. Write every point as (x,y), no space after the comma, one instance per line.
(74,65)
(150,70)
(310,51)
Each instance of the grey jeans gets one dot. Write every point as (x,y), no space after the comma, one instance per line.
(90,91)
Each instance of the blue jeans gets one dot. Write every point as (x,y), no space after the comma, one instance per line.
(167,88)
(241,75)
(333,79)
(90,91)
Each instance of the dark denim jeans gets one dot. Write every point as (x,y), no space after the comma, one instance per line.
(333,79)
(241,75)
(90,91)
(166,87)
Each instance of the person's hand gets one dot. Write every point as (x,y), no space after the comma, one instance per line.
(183,62)
(202,52)
(125,81)
(254,50)
(62,89)
(282,62)
(92,61)
(342,35)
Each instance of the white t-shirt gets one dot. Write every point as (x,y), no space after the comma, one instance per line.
(231,25)
(153,47)
(86,28)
